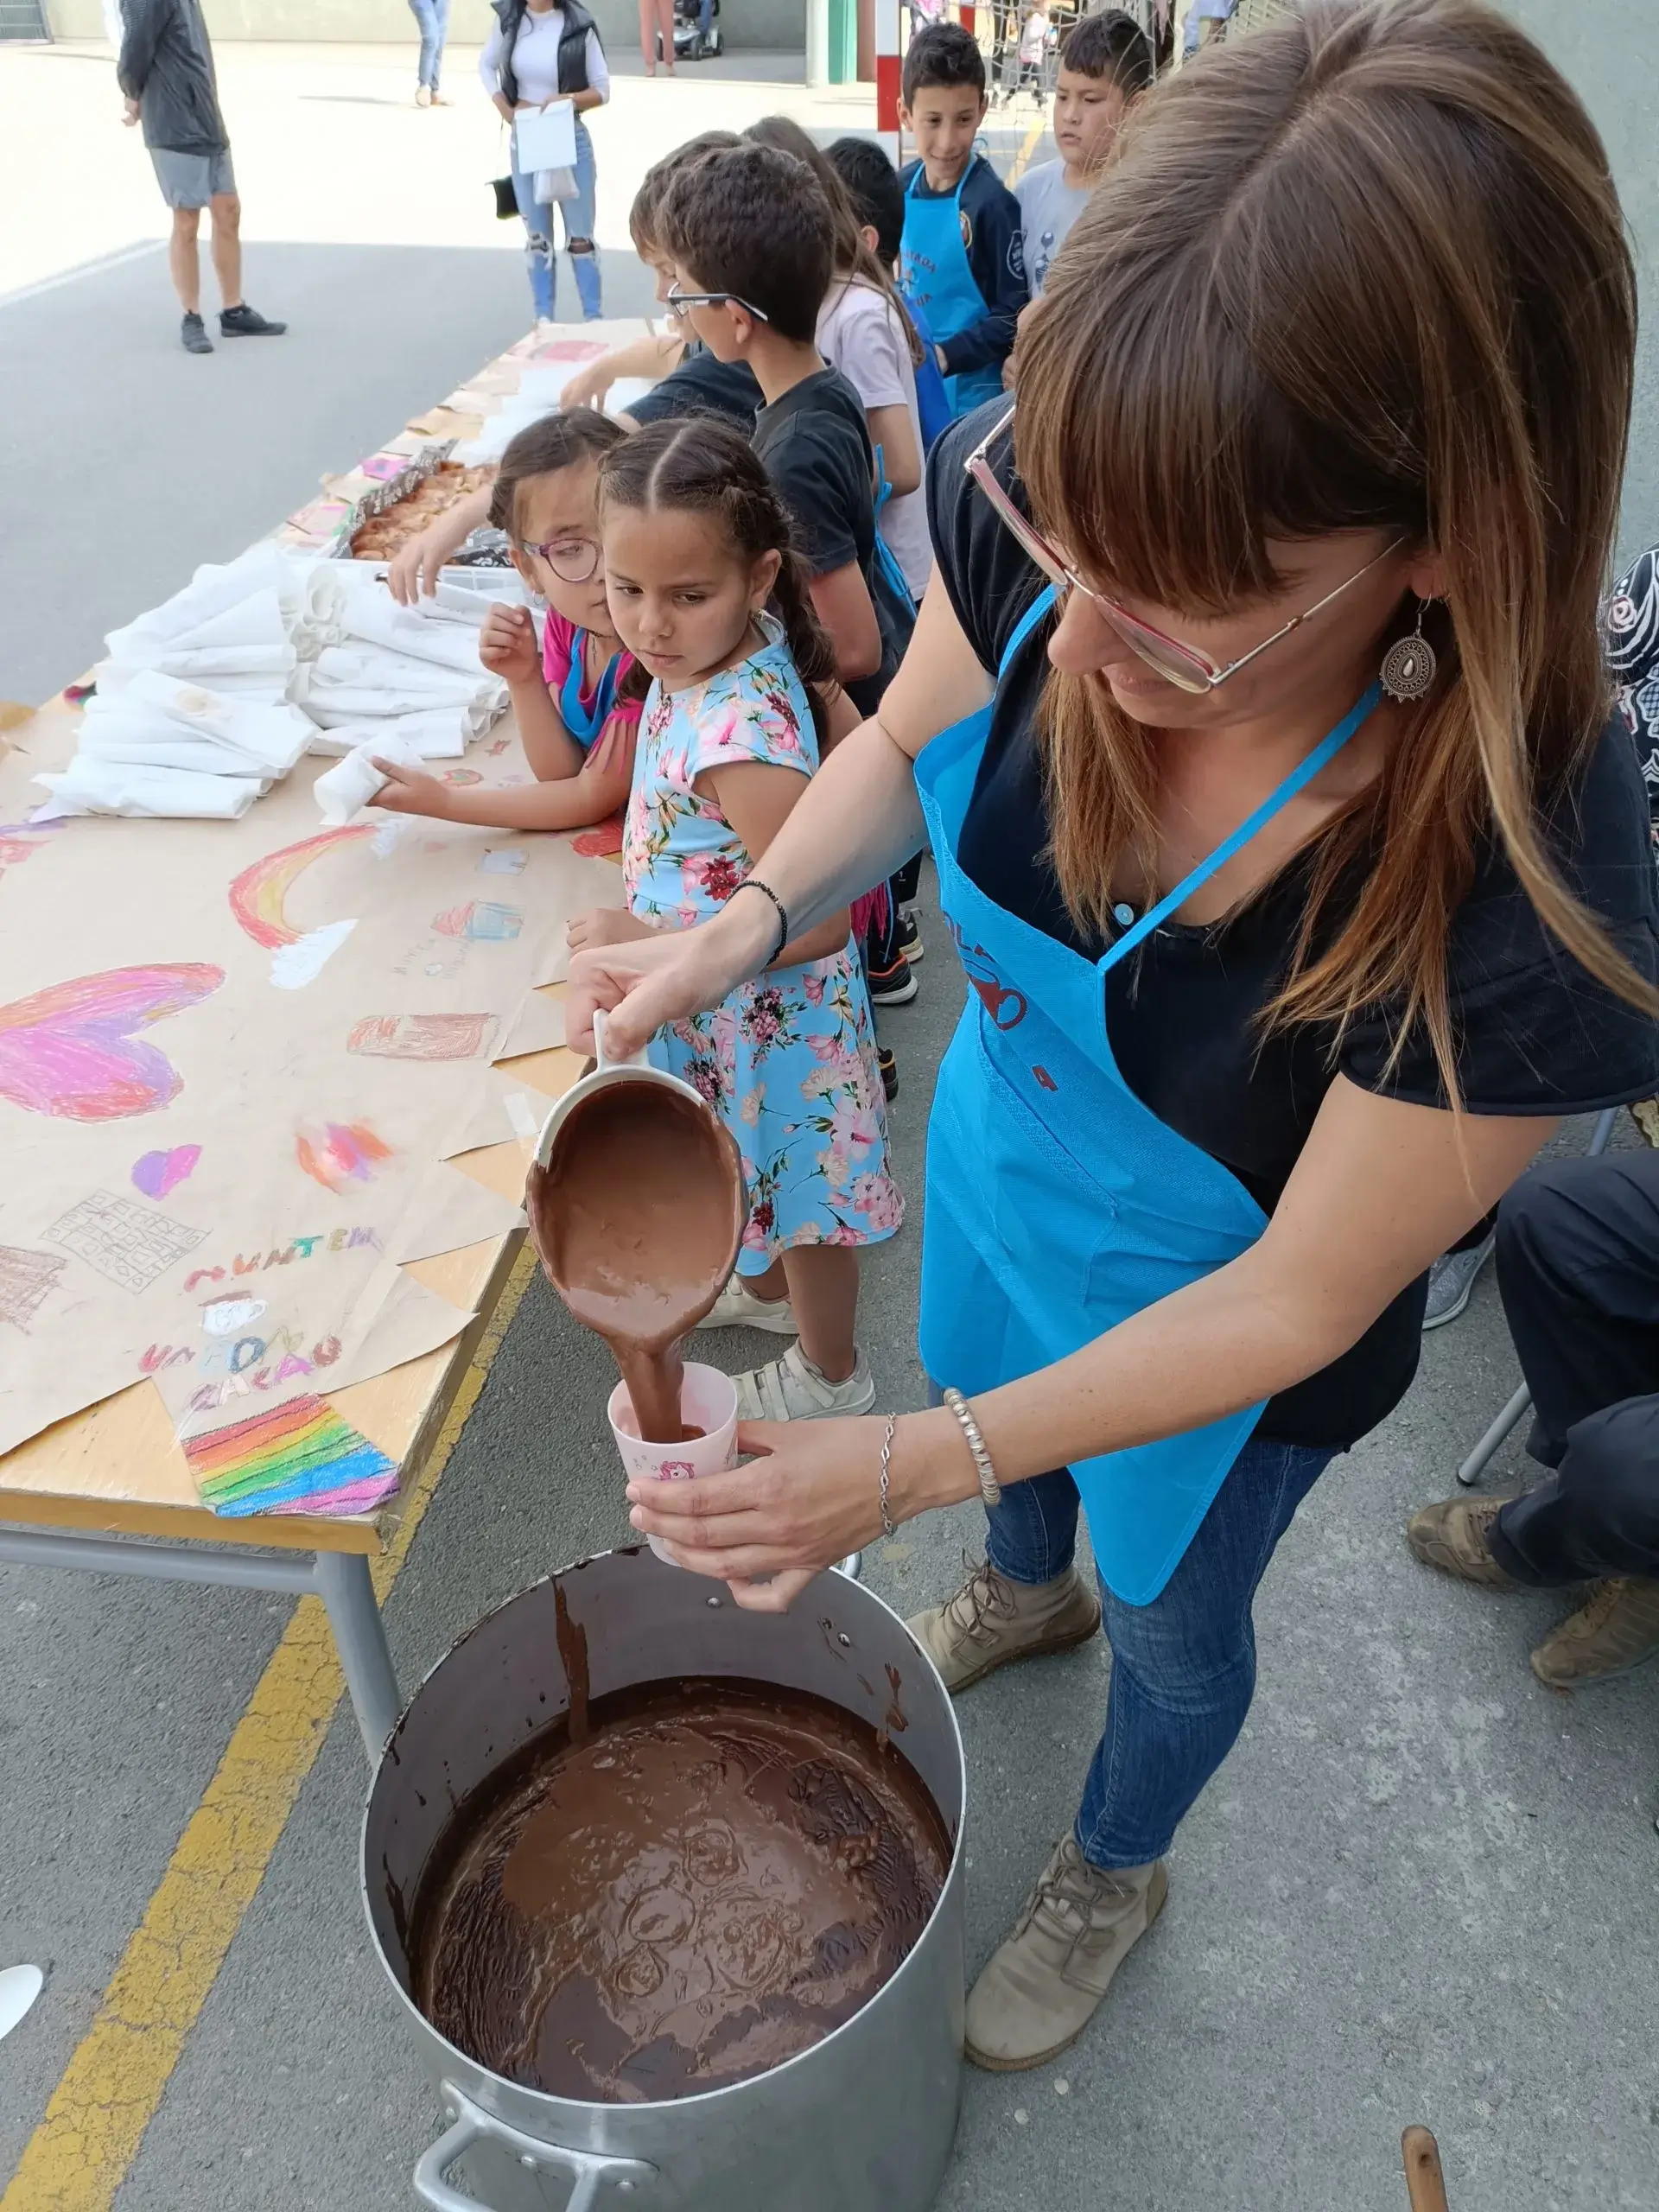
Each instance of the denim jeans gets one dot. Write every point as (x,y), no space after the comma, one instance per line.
(1184,1667)
(578,217)
(433,16)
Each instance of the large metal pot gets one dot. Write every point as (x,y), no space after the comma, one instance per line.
(863,2121)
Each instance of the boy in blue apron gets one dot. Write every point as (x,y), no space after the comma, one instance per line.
(962,262)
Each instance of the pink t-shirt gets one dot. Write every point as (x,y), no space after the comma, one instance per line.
(619,723)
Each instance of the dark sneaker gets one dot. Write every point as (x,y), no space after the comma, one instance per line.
(192,336)
(910,938)
(889,1068)
(893,986)
(247,322)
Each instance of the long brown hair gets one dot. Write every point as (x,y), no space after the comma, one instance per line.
(856,263)
(1365,269)
(701,464)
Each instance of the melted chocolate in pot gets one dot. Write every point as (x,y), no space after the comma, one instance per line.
(710,1882)
(636,1218)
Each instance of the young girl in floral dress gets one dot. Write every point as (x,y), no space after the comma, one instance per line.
(707,593)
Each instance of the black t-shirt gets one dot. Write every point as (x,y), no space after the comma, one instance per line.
(1534,1034)
(700,384)
(816,445)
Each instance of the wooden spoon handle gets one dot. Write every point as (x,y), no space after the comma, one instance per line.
(1425,2183)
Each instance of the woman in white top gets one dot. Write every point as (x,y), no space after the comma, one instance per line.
(865,333)
(535,55)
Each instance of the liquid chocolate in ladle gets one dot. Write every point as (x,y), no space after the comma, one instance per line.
(637,1217)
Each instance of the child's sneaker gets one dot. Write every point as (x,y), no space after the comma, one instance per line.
(889,1068)
(739,1307)
(909,935)
(791,1389)
(893,985)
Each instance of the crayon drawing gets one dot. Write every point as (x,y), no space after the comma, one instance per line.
(132,1245)
(503,860)
(258,898)
(158,1172)
(26,1281)
(480,919)
(299,1456)
(338,1155)
(70,1051)
(421,1036)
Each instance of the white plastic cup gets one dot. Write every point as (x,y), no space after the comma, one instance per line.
(708,1401)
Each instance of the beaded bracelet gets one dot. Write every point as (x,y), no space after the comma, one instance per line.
(989,1489)
(753,883)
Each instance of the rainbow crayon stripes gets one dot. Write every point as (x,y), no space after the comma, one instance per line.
(298,1457)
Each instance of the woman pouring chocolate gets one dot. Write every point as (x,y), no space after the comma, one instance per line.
(1256,715)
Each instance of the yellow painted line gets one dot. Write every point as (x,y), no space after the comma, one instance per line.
(1022,161)
(78,2157)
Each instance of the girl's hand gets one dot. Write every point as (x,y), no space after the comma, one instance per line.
(507,646)
(814,1497)
(411,790)
(678,972)
(605,925)
(588,386)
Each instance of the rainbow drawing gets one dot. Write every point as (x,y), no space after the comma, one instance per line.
(299,1456)
(258,898)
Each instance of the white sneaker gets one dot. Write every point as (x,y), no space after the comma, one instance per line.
(791,1389)
(739,1307)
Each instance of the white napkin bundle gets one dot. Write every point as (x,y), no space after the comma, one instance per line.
(89,786)
(343,789)
(438,735)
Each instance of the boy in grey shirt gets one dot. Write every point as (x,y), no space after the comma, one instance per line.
(1105,64)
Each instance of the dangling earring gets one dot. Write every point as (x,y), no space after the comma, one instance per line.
(1409,664)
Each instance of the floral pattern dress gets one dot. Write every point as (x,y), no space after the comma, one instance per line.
(788,1061)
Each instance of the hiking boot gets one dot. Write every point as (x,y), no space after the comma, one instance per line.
(1615,1629)
(1041,1986)
(739,1307)
(791,1389)
(1452,1535)
(192,336)
(991,1620)
(243,321)
(1450,1280)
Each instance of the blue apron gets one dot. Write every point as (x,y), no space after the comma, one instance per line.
(1057,1204)
(937,277)
(585,722)
(885,559)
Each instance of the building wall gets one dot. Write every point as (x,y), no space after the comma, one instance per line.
(772,26)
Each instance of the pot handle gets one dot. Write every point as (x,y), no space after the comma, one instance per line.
(604,1059)
(588,2170)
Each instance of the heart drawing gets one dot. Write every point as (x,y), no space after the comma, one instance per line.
(157,1172)
(74,1050)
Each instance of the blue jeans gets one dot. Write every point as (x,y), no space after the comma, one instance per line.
(578,217)
(1184,1667)
(433,16)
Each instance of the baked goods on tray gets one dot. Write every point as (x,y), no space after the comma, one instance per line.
(386,533)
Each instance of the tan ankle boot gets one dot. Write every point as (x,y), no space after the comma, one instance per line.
(1452,1536)
(991,1620)
(1616,1629)
(1040,1988)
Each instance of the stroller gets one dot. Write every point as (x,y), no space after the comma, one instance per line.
(691,41)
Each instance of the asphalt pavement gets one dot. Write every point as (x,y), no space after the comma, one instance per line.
(1422,1888)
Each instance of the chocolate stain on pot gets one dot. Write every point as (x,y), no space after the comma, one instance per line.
(719,1877)
(638,1218)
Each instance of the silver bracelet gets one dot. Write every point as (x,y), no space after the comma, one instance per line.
(989,1489)
(889,1527)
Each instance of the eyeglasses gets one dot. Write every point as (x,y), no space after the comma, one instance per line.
(573,560)
(677,301)
(1188,667)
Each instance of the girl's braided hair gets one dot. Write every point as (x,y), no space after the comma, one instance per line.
(702,466)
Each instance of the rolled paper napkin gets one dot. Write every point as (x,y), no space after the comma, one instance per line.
(93,786)
(439,734)
(465,603)
(376,664)
(381,621)
(243,668)
(128,728)
(213,588)
(333,705)
(349,785)
(274,735)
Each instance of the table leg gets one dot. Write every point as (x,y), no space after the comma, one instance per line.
(360,1637)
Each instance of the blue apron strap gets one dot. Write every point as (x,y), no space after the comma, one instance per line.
(1299,778)
(1033,614)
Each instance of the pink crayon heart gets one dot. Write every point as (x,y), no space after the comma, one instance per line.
(72,1051)
(158,1172)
